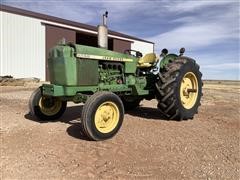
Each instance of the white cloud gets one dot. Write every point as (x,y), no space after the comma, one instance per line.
(200,30)
(223,66)
(75,11)
(120,10)
(218,66)
(190,6)
(192,36)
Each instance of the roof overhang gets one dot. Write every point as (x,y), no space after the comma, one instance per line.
(51,20)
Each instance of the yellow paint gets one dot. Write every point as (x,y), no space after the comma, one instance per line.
(107,117)
(148,58)
(147,61)
(189,90)
(105,58)
(49,106)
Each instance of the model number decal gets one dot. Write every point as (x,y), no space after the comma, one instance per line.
(108,58)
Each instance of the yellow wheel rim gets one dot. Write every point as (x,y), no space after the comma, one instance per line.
(189,90)
(50,106)
(106,117)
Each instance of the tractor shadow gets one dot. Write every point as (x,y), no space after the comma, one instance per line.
(72,117)
(148,113)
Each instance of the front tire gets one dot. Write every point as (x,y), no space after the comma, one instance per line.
(102,115)
(179,89)
(46,108)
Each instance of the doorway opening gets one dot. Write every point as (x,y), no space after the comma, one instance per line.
(91,40)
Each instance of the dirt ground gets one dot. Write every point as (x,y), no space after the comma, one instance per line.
(146,147)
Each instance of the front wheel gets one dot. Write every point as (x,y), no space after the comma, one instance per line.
(46,108)
(102,115)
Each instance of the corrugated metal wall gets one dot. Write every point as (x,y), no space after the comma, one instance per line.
(23,46)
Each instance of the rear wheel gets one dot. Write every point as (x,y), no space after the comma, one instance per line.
(46,108)
(102,115)
(179,89)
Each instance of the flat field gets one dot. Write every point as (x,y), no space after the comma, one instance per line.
(146,147)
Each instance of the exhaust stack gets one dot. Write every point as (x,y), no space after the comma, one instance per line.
(103,33)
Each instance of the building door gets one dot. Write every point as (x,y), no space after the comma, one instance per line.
(91,40)
(121,45)
(86,39)
(53,35)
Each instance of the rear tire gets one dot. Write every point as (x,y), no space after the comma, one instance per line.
(179,89)
(46,108)
(102,115)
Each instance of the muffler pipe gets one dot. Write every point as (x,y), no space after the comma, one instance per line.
(103,32)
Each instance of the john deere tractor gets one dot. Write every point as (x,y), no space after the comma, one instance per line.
(110,83)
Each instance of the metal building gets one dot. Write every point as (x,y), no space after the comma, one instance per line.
(26,38)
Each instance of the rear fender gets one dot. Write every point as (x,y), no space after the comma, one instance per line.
(167,59)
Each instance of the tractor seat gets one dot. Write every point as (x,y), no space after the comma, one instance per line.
(148,60)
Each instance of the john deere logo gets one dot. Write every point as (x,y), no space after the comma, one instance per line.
(106,58)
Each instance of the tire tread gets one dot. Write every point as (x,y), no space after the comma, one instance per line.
(166,88)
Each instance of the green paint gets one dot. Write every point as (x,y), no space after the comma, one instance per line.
(78,70)
(62,66)
(66,69)
(88,50)
(57,90)
(166,59)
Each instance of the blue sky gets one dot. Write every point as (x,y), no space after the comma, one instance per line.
(208,29)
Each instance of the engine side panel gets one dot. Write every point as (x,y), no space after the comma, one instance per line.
(87,72)
(83,69)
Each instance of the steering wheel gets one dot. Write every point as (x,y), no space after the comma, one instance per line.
(132,52)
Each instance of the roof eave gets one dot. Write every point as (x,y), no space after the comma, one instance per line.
(23,12)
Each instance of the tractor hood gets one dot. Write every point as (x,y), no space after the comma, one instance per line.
(78,65)
(88,52)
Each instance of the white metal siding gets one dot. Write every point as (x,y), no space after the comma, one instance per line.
(1,42)
(22,46)
(143,47)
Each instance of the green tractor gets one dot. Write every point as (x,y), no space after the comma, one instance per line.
(110,83)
